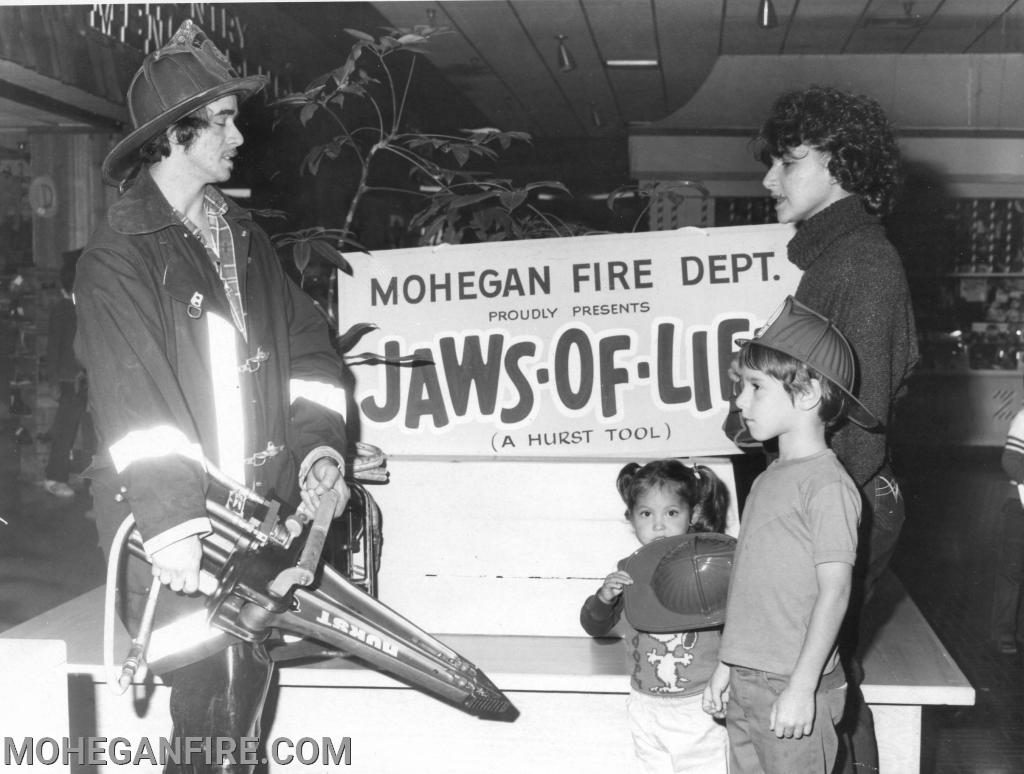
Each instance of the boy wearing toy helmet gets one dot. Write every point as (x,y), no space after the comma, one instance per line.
(780,685)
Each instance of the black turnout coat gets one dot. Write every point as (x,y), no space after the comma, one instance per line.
(173,381)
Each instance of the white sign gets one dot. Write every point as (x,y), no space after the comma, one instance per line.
(597,346)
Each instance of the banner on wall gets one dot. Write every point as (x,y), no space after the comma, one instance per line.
(597,346)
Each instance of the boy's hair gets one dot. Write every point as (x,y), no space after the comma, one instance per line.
(698,486)
(852,128)
(185,131)
(795,376)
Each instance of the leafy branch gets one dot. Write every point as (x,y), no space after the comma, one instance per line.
(362,104)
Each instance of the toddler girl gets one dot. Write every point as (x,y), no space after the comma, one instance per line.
(671,733)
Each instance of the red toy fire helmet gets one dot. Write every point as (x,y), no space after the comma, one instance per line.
(679,583)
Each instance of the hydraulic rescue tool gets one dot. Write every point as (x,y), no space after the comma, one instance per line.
(265,579)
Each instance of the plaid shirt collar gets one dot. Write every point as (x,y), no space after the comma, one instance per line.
(215,206)
(222,251)
(214,201)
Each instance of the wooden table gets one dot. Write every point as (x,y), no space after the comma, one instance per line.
(569,690)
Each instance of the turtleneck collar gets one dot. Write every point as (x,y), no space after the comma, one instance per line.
(816,234)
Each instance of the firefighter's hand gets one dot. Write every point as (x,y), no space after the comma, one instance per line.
(177,565)
(323,476)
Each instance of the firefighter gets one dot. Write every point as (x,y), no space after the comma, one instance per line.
(198,347)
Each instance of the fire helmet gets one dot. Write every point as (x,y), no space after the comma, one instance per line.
(679,583)
(182,76)
(802,333)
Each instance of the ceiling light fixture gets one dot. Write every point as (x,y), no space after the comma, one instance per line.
(631,63)
(766,18)
(566,63)
(908,19)
(595,117)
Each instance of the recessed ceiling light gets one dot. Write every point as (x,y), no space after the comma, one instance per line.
(631,63)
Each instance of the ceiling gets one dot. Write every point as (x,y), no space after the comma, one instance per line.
(503,54)
(499,63)
(15,116)
(31,100)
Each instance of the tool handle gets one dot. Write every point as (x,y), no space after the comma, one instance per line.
(304,571)
(322,519)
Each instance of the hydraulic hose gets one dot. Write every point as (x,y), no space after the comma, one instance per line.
(109,608)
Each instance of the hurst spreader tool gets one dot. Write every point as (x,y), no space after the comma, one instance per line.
(265,579)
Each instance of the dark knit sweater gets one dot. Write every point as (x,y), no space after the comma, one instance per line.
(853,275)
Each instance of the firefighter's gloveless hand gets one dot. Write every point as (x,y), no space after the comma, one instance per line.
(177,565)
(323,476)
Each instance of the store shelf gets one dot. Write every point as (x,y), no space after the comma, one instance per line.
(28,302)
(958,408)
(971,372)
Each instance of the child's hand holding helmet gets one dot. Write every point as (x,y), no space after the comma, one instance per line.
(613,586)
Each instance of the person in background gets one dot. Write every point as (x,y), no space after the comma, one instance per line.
(199,352)
(68,378)
(833,170)
(1007,628)
(664,499)
(780,684)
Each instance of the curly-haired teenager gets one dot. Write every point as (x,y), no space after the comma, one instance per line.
(833,169)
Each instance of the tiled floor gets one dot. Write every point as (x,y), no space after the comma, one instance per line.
(945,560)
(48,555)
(48,551)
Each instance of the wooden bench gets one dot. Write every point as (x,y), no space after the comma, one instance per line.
(500,556)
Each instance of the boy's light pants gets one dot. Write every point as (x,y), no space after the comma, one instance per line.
(673,734)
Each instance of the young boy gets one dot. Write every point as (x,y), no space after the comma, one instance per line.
(779,685)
